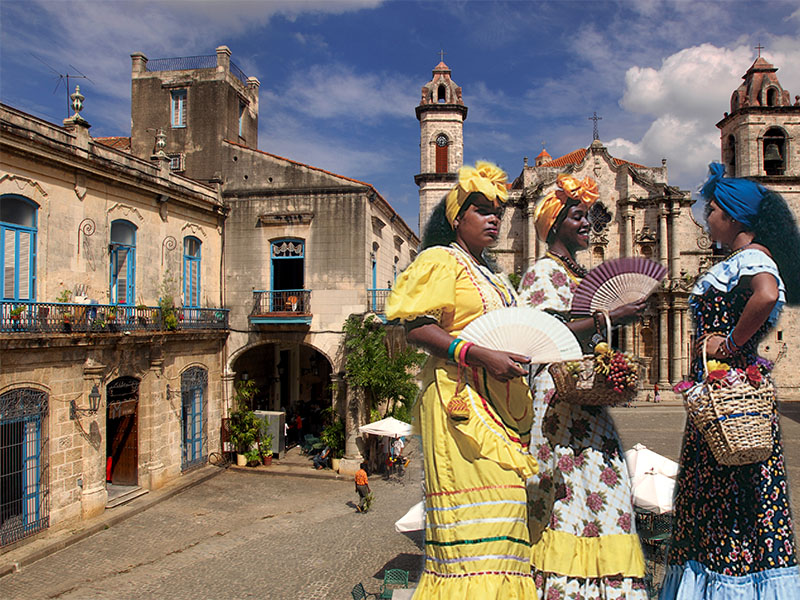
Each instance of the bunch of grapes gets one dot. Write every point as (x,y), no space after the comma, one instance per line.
(622,373)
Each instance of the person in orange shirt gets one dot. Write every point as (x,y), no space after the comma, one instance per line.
(362,487)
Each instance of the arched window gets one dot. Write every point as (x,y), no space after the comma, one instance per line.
(191,272)
(772,97)
(774,151)
(730,151)
(194,383)
(735,101)
(441,153)
(123,262)
(23,475)
(18,247)
(441,94)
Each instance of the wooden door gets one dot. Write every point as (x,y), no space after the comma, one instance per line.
(123,442)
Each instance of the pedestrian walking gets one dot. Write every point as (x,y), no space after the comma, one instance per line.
(362,488)
(656,393)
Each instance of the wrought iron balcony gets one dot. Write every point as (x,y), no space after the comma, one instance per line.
(281,306)
(376,300)
(58,317)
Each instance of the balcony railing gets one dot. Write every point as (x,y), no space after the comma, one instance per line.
(57,317)
(293,302)
(376,299)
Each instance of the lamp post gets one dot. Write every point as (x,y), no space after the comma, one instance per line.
(94,404)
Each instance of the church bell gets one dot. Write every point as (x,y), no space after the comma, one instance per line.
(772,153)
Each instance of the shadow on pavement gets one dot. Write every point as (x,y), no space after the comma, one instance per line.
(408,562)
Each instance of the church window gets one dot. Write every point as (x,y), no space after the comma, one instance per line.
(731,156)
(441,153)
(241,119)
(178,99)
(17,247)
(442,94)
(774,151)
(598,254)
(599,217)
(772,97)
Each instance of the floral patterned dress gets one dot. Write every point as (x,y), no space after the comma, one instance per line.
(584,543)
(732,533)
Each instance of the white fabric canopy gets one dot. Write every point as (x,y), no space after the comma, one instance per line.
(653,492)
(641,460)
(413,520)
(389,427)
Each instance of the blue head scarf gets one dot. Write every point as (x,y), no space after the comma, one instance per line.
(740,198)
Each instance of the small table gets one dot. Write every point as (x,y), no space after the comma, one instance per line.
(403,594)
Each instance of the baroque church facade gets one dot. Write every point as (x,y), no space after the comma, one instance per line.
(638,213)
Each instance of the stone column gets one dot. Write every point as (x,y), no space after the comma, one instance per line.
(663,237)
(674,213)
(624,234)
(353,398)
(93,428)
(294,374)
(663,343)
(677,344)
(154,421)
(685,353)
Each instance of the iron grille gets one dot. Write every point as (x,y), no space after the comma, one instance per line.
(194,387)
(24,473)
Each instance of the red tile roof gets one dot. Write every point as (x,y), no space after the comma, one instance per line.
(118,143)
(577,156)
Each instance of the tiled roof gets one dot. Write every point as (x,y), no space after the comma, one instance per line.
(577,156)
(118,143)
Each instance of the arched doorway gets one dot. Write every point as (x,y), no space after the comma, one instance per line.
(122,431)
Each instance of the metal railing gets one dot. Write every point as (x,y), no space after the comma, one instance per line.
(186,63)
(376,299)
(281,301)
(58,317)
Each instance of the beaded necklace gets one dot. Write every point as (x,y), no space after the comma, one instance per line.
(573,268)
(507,297)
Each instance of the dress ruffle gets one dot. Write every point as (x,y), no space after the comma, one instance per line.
(508,586)
(693,581)
(725,275)
(588,557)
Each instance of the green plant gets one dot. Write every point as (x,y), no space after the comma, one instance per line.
(245,392)
(515,278)
(253,457)
(333,436)
(65,296)
(167,302)
(384,376)
(265,445)
(15,312)
(111,313)
(245,427)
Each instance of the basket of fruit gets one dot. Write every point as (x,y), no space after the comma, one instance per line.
(604,378)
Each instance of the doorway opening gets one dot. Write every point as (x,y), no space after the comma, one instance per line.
(122,432)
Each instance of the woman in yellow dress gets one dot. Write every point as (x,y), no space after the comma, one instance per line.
(475,411)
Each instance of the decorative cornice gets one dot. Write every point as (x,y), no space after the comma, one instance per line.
(22,183)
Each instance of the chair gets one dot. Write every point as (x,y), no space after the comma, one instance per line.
(359,593)
(308,444)
(291,303)
(655,533)
(393,579)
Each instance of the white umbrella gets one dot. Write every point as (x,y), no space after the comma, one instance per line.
(653,491)
(641,460)
(413,520)
(389,427)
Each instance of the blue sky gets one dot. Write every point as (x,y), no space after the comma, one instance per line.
(340,80)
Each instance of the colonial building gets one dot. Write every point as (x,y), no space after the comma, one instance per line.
(639,213)
(304,248)
(112,324)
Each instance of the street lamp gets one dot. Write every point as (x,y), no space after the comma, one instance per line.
(94,404)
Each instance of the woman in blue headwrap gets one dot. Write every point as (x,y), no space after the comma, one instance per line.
(733,535)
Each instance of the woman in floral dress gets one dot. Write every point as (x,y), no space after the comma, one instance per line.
(474,413)
(584,543)
(733,534)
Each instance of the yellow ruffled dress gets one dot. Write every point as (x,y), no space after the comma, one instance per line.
(477,543)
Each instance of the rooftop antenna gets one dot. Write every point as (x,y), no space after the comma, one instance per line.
(64,78)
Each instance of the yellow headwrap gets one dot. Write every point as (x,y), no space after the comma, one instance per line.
(570,188)
(485,178)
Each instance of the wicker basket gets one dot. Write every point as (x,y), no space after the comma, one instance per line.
(589,388)
(735,420)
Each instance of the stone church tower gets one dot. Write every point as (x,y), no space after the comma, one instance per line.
(441,113)
(760,139)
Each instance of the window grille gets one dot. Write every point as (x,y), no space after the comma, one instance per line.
(194,386)
(24,473)
(177,162)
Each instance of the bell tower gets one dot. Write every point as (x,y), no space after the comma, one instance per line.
(441,113)
(760,137)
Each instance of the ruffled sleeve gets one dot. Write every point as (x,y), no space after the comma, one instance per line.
(426,288)
(546,286)
(726,275)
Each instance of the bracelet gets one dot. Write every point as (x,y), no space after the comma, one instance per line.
(462,354)
(451,350)
(732,345)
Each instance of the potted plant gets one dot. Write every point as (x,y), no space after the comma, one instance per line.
(265,449)
(244,426)
(252,458)
(16,313)
(141,315)
(333,436)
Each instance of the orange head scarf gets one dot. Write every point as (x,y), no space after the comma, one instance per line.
(570,191)
(485,178)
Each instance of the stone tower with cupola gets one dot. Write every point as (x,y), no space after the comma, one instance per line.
(760,140)
(760,137)
(441,113)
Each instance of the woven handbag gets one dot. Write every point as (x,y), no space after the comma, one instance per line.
(735,419)
(583,385)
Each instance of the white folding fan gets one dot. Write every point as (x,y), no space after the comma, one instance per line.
(616,282)
(525,331)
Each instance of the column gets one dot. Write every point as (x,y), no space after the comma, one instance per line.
(155,421)
(353,399)
(685,353)
(663,241)
(294,374)
(92,427)
(624,234)
(674,213)
(676,350)
(663,344)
